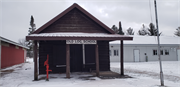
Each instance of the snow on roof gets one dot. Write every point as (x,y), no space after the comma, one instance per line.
(12,42)
(77,35)
(150,40)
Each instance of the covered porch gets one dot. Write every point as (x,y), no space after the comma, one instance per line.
(75,41)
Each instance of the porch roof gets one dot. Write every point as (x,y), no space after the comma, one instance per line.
(77,36)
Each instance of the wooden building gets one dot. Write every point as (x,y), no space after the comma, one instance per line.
(75,41)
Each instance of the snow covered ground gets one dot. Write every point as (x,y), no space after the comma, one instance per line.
(171,69)
(145,74)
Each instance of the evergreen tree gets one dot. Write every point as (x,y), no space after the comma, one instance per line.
(177,32)
(115,29)
(120,29)
(32,26)
(30,42)
(143,31)
(129,31)
(152,30)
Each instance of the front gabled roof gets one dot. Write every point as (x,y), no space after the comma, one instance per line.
(68,10)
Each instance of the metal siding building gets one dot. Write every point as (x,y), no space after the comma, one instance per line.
(11,53)
(134,51)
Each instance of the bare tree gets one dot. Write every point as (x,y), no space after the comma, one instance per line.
(23,42)
(177,32)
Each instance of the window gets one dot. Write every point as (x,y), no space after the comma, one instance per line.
(166,52)
(154,52)
(161,52)
(115,52)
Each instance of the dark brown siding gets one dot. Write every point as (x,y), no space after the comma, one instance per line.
(76,58)
(104,60)
(89,57)
(75,21)
(57,56)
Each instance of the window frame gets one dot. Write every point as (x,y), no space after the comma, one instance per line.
(162,52)
(156,53)
(165,52)
(115,52)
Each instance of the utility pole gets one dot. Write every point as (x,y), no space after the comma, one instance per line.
(161,72)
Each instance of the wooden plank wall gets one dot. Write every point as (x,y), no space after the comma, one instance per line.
(75,21)
(104,59)
(90,57)
(46,47)
(57,56)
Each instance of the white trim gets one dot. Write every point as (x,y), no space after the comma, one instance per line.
(136,57)
(81,41)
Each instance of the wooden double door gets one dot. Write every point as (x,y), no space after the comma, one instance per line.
(76,57)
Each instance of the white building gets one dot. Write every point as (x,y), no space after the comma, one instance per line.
(144,48)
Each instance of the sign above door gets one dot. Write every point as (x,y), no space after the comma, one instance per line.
(81,41)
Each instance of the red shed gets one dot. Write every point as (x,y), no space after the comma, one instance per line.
(11,53)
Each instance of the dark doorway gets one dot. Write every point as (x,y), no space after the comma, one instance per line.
(90,54)
(59,55)
(89,57)
(76,59)
(59,59)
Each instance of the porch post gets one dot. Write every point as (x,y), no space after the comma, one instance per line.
(0,57)
(67,61)
(35,61)
(122,58)
(97,60)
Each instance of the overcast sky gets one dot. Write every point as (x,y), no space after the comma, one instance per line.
(15,14)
